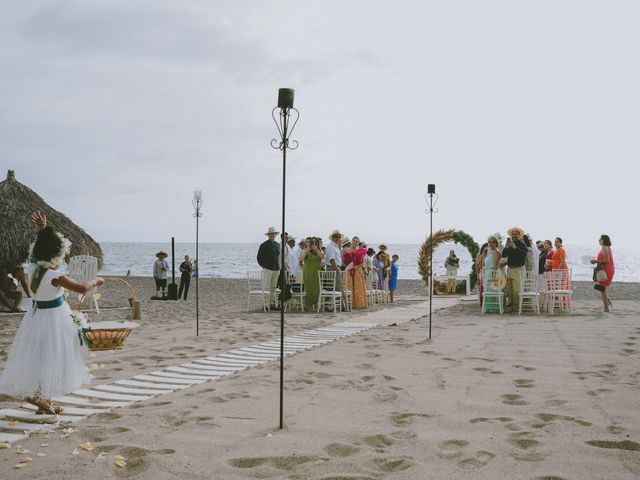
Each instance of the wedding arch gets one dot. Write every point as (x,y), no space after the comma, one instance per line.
(445,236)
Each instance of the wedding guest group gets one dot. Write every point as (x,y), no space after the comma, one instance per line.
(357,267)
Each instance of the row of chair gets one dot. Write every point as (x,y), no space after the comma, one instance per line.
(329,298)
(552,290)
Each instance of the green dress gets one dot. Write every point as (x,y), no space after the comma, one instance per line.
(310,270)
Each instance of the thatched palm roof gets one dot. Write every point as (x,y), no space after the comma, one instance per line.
(17,202)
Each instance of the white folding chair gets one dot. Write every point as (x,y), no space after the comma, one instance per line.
(558,291)
(496,295)
(84,268)
(348,294)
(297,293)
(258,297)
(329,296)
(529,293)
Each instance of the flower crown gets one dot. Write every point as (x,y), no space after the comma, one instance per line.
(55,261)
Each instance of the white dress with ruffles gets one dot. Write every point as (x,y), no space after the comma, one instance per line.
(46,358)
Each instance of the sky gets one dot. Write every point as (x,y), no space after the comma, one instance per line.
(522,113)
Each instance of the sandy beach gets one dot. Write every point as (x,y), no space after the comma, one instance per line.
(549,397)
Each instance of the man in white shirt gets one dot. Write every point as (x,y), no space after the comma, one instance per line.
(293,263)
(333,256)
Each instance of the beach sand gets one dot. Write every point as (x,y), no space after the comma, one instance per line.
(550,397)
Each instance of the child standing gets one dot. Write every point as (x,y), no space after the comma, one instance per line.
(393,277)
(45,359)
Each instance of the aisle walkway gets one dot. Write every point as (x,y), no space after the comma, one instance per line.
(18,423)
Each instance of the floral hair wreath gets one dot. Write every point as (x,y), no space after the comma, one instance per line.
(55,261)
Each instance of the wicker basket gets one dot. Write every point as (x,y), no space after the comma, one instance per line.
(106,339)
(99,339)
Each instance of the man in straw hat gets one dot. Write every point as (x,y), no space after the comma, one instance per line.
(160,269)
(269,260)
(333,256)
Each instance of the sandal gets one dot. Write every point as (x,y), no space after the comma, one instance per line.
(54,406)
(44,406)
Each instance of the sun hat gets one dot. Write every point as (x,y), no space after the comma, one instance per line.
(382,246)
(512,230)
(291,239)
(345,240)
(161,253)
(271,230)
(335,233)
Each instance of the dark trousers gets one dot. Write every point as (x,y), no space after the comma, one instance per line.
(185,281)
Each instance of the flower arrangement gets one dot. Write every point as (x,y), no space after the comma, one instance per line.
(81,322)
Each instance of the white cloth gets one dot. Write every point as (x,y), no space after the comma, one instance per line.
(46,356)
(333,253)
(294,263)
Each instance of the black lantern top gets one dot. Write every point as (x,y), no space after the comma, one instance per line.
(285,98)
(431,188)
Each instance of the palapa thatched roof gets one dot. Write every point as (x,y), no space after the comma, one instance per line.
(17,202)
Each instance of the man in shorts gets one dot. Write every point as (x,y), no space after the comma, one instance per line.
(160,269)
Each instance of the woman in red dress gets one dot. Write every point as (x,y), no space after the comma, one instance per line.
(353,258)
(605,262)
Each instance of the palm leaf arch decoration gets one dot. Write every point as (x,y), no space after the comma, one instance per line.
(445,236)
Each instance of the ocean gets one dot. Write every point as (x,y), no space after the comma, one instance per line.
(233,260)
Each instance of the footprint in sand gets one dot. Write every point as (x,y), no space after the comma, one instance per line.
(551,417)
(477,460)
(394,464)
(281,463)
(527,447)
(404,419)
(513,399)
(526,369)
(341,450)
(347,477)
(324,362)
(452,448)
(623,445)
(379,441)
(523,383)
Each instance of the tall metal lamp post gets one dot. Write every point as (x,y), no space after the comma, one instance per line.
(431,191)
(197,204)
(282,115)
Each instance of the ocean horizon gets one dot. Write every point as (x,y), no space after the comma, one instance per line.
(233,260)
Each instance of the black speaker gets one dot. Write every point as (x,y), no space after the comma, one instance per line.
(431,188)
(172,291)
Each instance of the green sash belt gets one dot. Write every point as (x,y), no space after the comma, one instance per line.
(44,304)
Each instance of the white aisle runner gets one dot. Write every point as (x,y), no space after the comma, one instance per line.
(18,423)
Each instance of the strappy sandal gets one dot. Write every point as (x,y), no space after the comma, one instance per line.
(54,406)
(44,406)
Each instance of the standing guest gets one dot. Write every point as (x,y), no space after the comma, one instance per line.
(346,245)
(480,269)
(605,262)
(548,255)
(491,264)
(45,359)
(333,257)
(311,259)
(378,266)
(451,264)
(160,269)
(530,262)
(559,259)
(354,260)
(515,262)
(186,269)
(269,260)
(369,269)
(386,262)
(292,258)
(393,277)
(542,257)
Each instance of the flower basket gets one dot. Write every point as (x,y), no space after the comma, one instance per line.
(107,335)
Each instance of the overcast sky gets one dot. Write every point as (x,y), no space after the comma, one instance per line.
(522,113)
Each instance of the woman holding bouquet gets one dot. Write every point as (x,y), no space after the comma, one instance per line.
(45,359)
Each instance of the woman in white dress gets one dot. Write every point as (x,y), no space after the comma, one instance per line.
(45,359)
